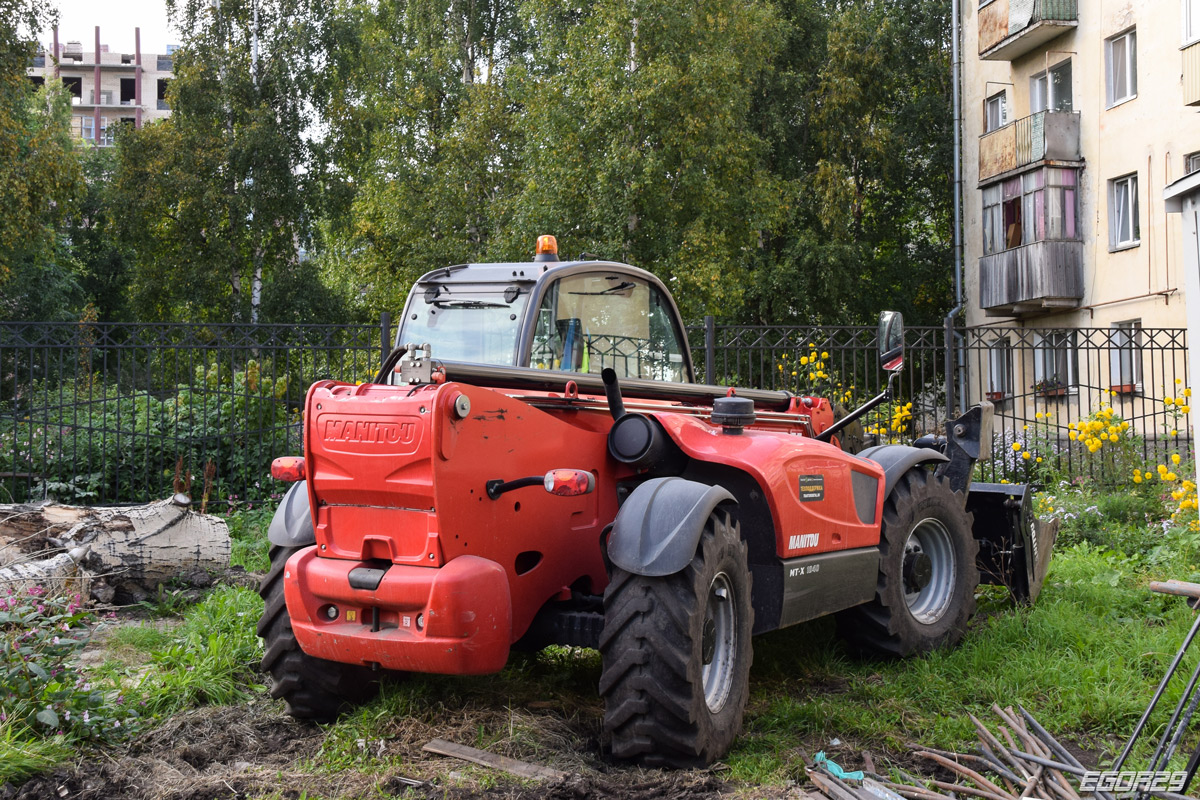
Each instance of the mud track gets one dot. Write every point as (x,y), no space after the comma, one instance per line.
(256,751)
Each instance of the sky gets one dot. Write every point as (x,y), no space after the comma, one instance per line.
(77,20)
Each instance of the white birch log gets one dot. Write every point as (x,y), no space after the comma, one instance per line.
(132,549)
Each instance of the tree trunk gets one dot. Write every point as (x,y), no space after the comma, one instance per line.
(109,552)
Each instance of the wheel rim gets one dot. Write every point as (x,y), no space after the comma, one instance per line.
(719,642)
(928,571)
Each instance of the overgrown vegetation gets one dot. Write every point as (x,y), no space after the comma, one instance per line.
(68,434)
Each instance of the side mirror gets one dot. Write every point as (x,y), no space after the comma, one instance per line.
(891,341)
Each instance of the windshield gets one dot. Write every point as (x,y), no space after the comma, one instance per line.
(475,326)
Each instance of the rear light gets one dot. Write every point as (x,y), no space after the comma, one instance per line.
(569,482)
(288,468)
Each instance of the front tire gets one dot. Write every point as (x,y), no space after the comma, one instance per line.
(676,654)
(925,592)
(312,688)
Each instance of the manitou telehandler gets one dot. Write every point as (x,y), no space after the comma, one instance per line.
(535,465)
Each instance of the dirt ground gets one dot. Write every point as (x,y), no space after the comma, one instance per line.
(255,750)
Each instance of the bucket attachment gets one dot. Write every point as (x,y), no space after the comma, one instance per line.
(1014,545)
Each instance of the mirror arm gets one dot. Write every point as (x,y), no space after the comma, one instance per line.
(865,408)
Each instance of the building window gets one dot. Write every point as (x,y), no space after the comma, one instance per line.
(1051,90)
(995,112)
(1053,361)
(1125,357)
(1038,206)
(1191,21)
(87,128)
(1124,227)
(1191,163)
(1000,369)
(107,132)
(1121,62)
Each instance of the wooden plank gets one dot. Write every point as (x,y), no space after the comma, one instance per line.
(522,769)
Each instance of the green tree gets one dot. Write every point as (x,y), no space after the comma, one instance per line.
(865,149)
(101,255)
(40,176)
(218,196)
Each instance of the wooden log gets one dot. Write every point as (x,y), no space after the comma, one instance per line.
(133,550)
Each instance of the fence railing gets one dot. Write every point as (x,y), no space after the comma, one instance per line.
(104,413)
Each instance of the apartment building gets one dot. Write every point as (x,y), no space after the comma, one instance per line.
(1075,116)
(107,88)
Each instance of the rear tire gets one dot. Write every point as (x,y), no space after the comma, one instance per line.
(927,575)
(676,654)
(312,688)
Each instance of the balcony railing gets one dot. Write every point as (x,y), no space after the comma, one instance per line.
(1032,279)
(1191,75)
(1011,28)
(1046,135)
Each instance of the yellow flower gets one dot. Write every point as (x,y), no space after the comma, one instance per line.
(1027,455)
(1174,432)
(1185,409)
(812,346)
(824,355)
(1038,415)
(1016,447)
(793,373)
(1179,380)
(1168,401)
(1161,469)
(804,361)
(1039,460)
(1137,478)
(1187,392)
(1171,476)
(1175,458)
(1073,435)
(1025,427)
(812,376)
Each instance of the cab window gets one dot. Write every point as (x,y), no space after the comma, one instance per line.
(588,322)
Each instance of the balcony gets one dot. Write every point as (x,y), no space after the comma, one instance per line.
(1009,29)
(1044,136)
(1191,75)
(1033,279)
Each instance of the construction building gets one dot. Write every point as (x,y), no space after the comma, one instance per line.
(107,88)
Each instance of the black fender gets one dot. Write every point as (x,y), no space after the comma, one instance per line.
(292,525)
(658,528)
(897,459)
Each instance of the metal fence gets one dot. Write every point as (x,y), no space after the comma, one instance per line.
(104,413)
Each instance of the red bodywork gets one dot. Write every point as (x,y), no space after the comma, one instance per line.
(396,478)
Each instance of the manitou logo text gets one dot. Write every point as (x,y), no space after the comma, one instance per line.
(803,540)
(367,432)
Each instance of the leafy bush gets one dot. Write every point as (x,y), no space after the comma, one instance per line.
(47,693)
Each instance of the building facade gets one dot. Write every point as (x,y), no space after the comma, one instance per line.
(107,88)
(1075,116)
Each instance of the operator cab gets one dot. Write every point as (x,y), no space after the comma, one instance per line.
(574,316)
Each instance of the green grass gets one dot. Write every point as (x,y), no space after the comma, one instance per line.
(210,659)
(248,532)
(23,755)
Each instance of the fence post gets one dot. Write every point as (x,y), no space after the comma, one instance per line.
(710,348)
(949,349)
(385,340)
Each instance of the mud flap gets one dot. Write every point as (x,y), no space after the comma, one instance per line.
(1014,545)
